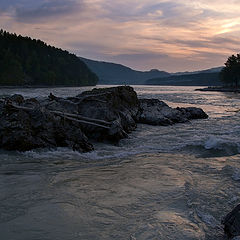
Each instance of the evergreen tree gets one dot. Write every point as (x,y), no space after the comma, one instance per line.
(230,74)
(26,61)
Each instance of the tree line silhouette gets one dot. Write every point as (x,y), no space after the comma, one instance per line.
(230,74)
(26,61)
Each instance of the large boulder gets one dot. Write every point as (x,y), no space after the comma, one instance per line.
(117,105)
(232,223)
(111,104)
(101,114)
(156,112)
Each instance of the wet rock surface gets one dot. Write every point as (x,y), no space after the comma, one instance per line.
(156,112)
(232,223)
(107,114)
(23,130)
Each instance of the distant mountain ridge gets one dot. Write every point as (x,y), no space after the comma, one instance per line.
(210,70)
(113,73)
(197,79)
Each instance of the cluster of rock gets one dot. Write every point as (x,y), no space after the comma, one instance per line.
(107,114)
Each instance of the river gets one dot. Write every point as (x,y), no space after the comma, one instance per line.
(174,182)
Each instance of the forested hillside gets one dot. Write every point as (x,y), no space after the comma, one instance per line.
(26,61)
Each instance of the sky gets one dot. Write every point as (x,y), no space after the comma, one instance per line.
(183,35)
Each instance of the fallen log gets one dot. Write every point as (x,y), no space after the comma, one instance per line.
(69,116)
(9,104)
(85,122)
(93,96)
(94,99)
(81,117)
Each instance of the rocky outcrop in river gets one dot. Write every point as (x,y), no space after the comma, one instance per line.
(107,114)
(156,112)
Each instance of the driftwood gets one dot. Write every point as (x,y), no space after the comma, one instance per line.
(9,104)
(81,117)
(93,95)
(69,116)
(85,97)
(79,99)
(94,99)
(85,122)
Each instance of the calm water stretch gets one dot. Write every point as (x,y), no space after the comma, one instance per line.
(174,182)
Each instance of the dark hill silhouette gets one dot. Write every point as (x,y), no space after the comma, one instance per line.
(112,73)
(26,61)
(196,79)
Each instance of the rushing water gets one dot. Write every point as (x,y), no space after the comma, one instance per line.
(174,182)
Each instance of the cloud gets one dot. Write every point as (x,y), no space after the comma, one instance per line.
(48,10)
(163,34)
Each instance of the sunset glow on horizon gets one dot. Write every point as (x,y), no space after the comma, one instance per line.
(163,34)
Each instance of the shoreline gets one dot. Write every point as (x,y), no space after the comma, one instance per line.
(43,86)
(218,89)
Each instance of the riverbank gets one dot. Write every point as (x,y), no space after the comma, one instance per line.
(219,89)
(43,86)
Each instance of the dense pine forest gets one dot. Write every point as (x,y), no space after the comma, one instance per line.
(26,61)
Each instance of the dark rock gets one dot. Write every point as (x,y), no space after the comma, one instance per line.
(193,113)
(52,97)
(31,103)
(17,98)
(152,112)
(116,131)
(60,104)
(232,222)
(117,104)
(156,112)
(25,130)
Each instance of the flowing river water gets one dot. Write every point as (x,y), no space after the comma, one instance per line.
(174,182)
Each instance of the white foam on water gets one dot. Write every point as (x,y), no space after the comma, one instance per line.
(236,174)
(223,144)
(212,142)
(137,145)
(68,154)
(207,218)
(58,153)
